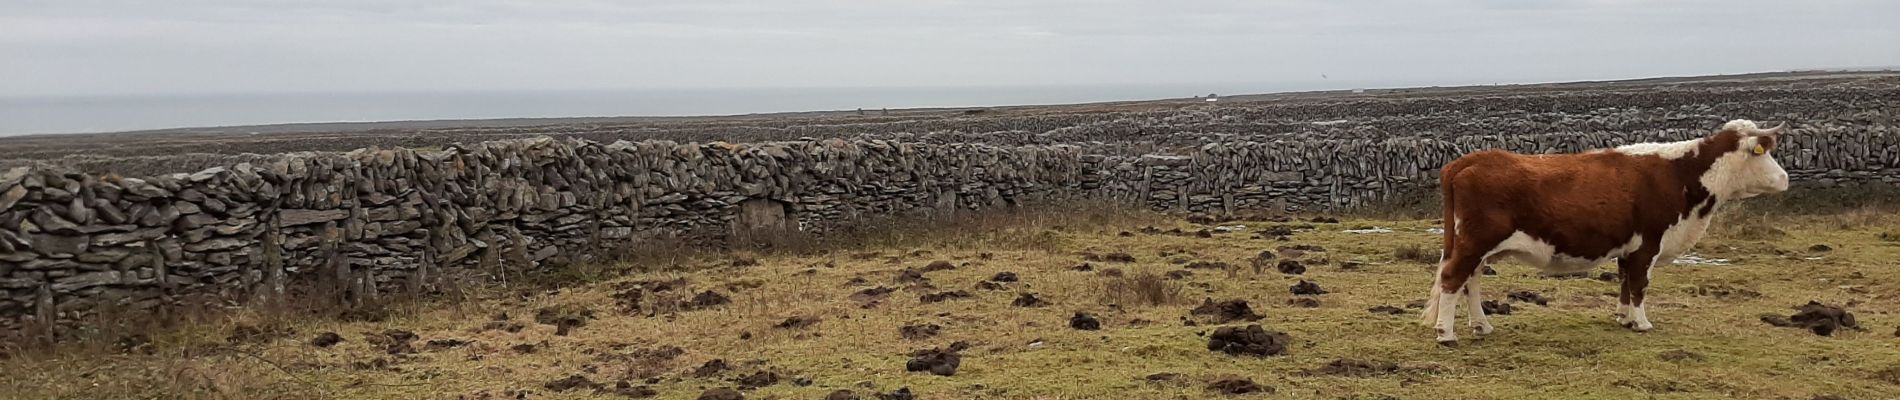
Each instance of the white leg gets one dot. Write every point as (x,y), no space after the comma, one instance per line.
(1479,322)
(1447,317)
(1639,319)
(1623,314)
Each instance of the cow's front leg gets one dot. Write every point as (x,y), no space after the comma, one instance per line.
(1635,273)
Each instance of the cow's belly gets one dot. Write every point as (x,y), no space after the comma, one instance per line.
(1538,253)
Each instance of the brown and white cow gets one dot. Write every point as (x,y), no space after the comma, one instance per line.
(1640,204)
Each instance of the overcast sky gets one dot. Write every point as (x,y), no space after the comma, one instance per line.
(87,47)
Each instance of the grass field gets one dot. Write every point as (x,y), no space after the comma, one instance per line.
(798,318)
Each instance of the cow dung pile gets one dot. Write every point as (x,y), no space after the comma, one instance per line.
(1819,318)
(1249,340)
(1225,311)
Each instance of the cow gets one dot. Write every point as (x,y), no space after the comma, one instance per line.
(1641,204)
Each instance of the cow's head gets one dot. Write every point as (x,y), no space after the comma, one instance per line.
(1749,169)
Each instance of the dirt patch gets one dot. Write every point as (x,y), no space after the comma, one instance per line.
(1083,267)
(797,323)
(1386,310)
(505,326)
(711,368)
(393,341)
(872,294)
(1303,302)
(1819,318)
(939,265)
(1028,300)
(565,317)
(524,348)
(1237,386)
(1004,277)
(902,393)
(705,300)
(1890,375)
(1494,307)
(721,394)
(326,339)
(628,300)
(1249,340)
(757,380)
(1356,368)
(1225,311)
(627,389)
(911,276)
(249,333)
(1116,257)
(987,285)
(944,296)
(1110,272)
(1291,267)
(440,344)
(1529,297)
(918,332)
(841,394)
(1820,248)
(1679,356)
(1725,291)
(1180,274)
(571,382)
(1306,288)
(1213,265)
(1607,277)
(940,362)
(1084,321)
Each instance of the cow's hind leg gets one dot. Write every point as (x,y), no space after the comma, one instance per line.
(1449,290)
(1474,313)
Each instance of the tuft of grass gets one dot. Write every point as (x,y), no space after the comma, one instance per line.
(1141,289)
(1415,253)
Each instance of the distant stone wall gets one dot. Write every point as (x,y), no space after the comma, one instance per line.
(372,222)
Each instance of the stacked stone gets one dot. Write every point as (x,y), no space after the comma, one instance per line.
(365,223)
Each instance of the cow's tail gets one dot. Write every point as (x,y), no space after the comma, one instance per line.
(1430,314)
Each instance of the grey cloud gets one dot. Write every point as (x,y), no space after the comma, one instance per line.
(193,46)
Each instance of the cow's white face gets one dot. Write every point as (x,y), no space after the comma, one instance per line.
(1751,169)
(1761,174)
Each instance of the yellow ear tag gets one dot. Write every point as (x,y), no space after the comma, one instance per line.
(1759,150)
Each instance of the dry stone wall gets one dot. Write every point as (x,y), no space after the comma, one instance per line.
(368,223)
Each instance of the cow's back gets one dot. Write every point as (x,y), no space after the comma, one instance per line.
(1585,205)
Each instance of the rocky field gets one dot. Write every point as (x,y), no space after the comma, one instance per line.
(1069,306)
(1656,107)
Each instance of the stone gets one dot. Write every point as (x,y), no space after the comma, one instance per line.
(12,196)
(58,245)
(85,280)
(289,218)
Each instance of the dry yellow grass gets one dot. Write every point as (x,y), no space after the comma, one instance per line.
(1571,349)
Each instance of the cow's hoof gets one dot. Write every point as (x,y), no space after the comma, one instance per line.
(1483,330)
(1448,343)
(1639,326)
